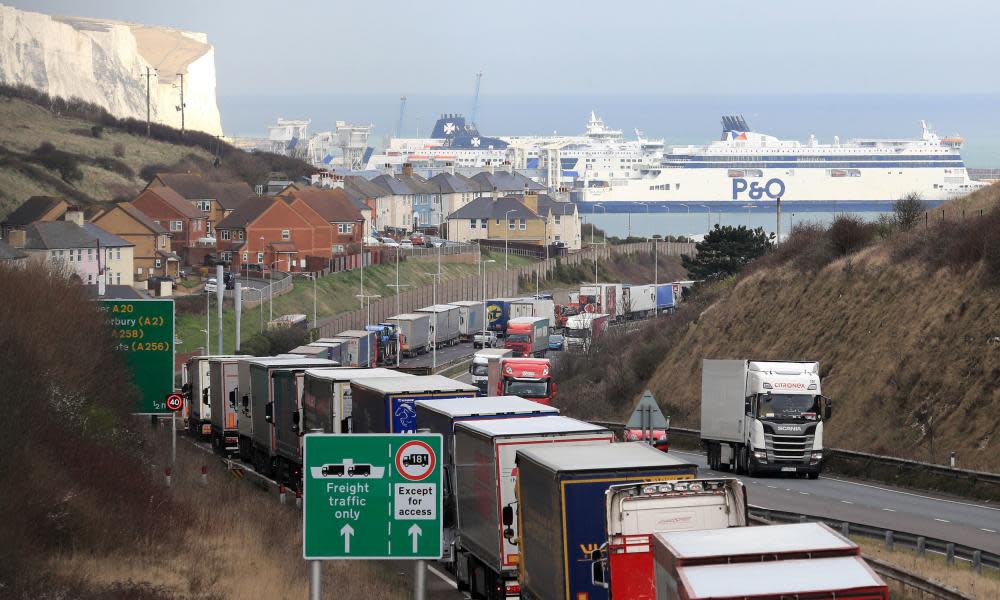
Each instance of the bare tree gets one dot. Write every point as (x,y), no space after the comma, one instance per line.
(908,210)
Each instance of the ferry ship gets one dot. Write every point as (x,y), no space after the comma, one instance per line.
(746,166)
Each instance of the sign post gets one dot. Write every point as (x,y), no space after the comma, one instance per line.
(175,402)
(647,416)
(144,333)
(372,497)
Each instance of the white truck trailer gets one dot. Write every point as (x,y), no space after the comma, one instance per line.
(444,326)
(471,316)
(763,416)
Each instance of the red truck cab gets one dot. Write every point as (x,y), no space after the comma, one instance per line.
(529,378)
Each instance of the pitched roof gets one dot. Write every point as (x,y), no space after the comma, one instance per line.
(506,182)
(247,213)
(416,183)
(177,202)
(359,187)
(547,204)
(489,208)
(106,239)
(8,252)
(451,183)
(32,209)
(139,216)
(331,204)
(230,195)
(192,186)
(50,235)
(392,185)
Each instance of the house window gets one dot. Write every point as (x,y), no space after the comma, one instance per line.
(342,228)
(511,224)
(246,256)
(79,256)
(498,221)
(524,224)
(118,256)
(118,278)
(176,226)
(204,205)
(227,256)
(260,258)
(240,232)
(338,248)
(138,271)
(225,234)
(302,263)
(558,237)
(90,255)
(158,263)
(558,219)
(208,228)
(472,223)
(482,223)
(90,278)
(70,255)
(286,234)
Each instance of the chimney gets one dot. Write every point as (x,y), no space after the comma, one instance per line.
(494,195)
(489,166)
(387,169)
(530,199)
(407,169)
(450,167)
(17,238)
(74,214)
(509,166)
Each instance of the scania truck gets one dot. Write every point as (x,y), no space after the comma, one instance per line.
(529,378)
(763,416)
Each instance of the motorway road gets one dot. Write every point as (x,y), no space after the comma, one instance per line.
(951,519)
(444,355)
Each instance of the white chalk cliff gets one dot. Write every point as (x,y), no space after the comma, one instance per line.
(104,62)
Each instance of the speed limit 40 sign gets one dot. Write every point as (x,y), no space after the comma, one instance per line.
(175,402)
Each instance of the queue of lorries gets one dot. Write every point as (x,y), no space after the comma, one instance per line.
(542,506)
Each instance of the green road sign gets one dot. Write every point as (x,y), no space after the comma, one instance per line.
(144,333)
(371,496)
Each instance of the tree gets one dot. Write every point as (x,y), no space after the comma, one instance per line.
(725,250)
(908,210)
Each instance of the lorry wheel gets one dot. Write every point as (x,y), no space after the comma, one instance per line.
(814,475)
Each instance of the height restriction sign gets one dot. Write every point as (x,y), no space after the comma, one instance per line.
(371,496)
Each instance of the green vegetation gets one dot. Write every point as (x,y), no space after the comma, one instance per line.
(334,294)
(72,149)
(725,251)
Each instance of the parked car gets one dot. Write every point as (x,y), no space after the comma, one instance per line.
(436,242)
(406,245)
(390,243)
(371,241)
(211,285)
(486,340)
(556,341)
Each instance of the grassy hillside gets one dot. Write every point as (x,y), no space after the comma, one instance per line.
(72,149)
(906,329)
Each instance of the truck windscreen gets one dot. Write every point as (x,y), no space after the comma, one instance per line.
(518,337)
(576,333)
(526,389)
(788,406)
(480,370)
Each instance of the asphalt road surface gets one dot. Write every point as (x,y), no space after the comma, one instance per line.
(951,519)
(444,355)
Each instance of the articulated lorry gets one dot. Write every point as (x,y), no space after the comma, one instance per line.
(196,384)
(561,515)
(336,349)
(480,369)
(583,329)
(763,416)
(444,326)
(253,394)
(487,545)
(526,377)
(414,333)
(639,301)
(666,300)
(498,313)
(606,298)
(802,560)
(471,316)
(386,343)
(635,512)
(387,404)
(224,378)
(527,336)
(326,399)
(360,348)
(441,416)
(534,307)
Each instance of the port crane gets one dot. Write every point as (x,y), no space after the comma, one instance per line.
(402,111)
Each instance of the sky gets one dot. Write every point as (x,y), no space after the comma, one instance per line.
(581,46)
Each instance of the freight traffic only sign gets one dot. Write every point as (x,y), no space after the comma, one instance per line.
(371,496)
(144,333)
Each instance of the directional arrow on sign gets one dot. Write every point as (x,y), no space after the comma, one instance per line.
(347,531)
(415,532)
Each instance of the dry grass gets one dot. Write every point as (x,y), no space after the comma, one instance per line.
(932,566)
(238,542)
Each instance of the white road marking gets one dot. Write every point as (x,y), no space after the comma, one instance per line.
(847,502)
(942,520)
(442,576)
(889,509)
(867,485)
(773,487)
(804,493)
(987,530)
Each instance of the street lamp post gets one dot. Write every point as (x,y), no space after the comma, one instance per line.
(709,215)
(506,237)
(208,321)
(399,328)
(604,241)
(482,268)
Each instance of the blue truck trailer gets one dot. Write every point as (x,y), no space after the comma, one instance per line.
(561,517)
(387,404)
(665,300)
(498,313)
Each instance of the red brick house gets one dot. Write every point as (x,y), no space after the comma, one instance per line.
(268,232)
(336,209)
(170,210)
(218,199)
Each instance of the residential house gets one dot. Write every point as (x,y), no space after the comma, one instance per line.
(214,198)
(505,183)
(394,209)
(33,210)
(187,225)
(426,213)
(337,210)
(12,256)
(265,233)
(152,256)
(453,191)
(562,221)
(364,195)
(507,218)
(116,256)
